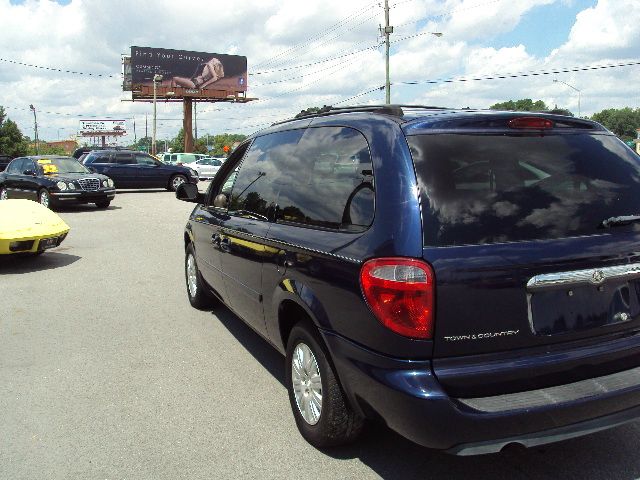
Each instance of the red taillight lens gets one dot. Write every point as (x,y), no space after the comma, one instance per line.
(400,292)
(530,122)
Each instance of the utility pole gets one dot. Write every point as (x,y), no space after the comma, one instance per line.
(195,119)
(156,78)
(35,126)
(146,131)
(387,31)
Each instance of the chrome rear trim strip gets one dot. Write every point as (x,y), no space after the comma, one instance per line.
(590,276)
(556,395)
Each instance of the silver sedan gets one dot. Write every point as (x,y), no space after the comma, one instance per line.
(206,167)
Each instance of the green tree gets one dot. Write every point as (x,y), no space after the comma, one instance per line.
(45,149)
(622,121)
(143,144)
(177,144)
(222,140)
(12,142)
(523,105)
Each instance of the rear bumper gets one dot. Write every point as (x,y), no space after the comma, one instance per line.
(409,399)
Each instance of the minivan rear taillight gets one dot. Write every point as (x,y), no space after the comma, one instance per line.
(401,294)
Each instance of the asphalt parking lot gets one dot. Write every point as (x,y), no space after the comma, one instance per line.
(106,372)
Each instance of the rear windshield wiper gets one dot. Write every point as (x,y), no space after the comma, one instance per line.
(618,221)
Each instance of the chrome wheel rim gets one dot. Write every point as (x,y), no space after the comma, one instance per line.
(192,279)
(44,199)
(177,181)
(3,194)
(307,383)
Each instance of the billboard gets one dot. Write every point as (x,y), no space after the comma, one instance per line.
(96,128)
(186,72)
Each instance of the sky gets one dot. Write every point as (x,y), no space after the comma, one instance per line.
(314,53)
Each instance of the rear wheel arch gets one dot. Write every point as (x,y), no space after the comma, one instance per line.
(291,313)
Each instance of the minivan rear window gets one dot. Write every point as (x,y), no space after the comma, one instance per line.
(479,189)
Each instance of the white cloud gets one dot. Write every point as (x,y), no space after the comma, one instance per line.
(90,35)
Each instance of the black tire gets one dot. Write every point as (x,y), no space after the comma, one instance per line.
(199,296)
(103,203)
(338,423)
(176,181)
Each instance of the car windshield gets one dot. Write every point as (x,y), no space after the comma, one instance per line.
(479,189)
(56,166)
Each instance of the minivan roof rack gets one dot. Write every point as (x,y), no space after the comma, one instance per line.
(394,110)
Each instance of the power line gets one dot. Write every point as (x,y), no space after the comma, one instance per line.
(519,75)
(305,74)
(372,47)
(56,69)
(311,39)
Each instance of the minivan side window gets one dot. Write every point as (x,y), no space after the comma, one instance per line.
(328,183)
(254,191)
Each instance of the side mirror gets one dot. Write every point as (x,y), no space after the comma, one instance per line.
(29,172)
(220,201)
(188,192)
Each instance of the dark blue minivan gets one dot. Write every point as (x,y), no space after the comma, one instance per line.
(469,278)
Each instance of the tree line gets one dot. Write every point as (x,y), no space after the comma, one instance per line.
(623,122)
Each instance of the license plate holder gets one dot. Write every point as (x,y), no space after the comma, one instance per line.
(46,243)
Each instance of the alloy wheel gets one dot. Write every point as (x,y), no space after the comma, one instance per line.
(307,383)
(192,279)
(44,198)
(177,181)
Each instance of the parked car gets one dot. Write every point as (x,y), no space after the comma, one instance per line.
(29,228)
(470,278)
(131,169)
(78,152)
(55,180)
(180,158)
(4,161)
(206,167)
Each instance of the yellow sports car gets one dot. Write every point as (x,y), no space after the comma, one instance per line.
(28,227)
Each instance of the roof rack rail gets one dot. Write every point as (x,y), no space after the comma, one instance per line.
(330,110)
(394,110)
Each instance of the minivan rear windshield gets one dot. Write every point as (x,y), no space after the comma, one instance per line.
(479,189)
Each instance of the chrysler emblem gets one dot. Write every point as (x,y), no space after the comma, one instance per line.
(597,276)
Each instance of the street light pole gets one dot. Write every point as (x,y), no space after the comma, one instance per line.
(577,90)
(35,126)
(156,78)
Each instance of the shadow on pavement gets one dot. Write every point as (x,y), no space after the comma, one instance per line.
(46,261)
(257,346)
(392,456)
(143,190)
(82,208)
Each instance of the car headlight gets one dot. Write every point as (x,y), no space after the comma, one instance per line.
(71,186)
(110,183)
(105,183)
(193,172)
(61,186)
